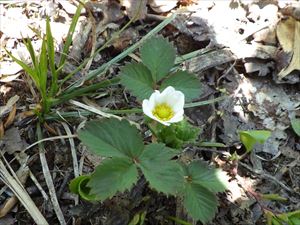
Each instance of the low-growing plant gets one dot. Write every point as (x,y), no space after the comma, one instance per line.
(125,154)
(251,137)
(295,122)
(289,218)
(38,70)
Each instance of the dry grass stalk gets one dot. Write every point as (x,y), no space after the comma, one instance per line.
(11,180)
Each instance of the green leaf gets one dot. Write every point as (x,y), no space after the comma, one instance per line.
(112,176)
(137,78)
(43,68)
(200,203)
(177,134)
(70,36)
(296,125)
(163,174)
(112,137)
(185,82)
(159,56)
(211,144)
(28,44)
(51,55)
(273,197)
(251,137)
(276,222)
(79,186)
(295,220)
(31,72)
(186,131)
(212,179)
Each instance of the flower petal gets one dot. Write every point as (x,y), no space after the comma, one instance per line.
(166,123)
(154,98)
(169,96)
(147,109)
(177,117)
(176,101)
(163,97)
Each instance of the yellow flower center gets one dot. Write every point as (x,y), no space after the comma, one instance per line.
(163,112)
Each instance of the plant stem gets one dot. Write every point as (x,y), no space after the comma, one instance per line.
(207,102)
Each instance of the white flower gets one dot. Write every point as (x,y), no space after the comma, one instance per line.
(165,107)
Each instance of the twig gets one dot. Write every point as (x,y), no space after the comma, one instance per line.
(94,40)
(49,139)
(269,177)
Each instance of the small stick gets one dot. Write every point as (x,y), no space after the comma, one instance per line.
(268,176)
(49,139)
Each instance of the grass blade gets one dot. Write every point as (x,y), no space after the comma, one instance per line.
(27,42)
(124,54)
(84,90)
(43,68)
(51,55)
(31,72)
(70,36)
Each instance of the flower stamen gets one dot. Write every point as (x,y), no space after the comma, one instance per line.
(163,112)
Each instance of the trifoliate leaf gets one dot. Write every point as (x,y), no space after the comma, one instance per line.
(296,125)
(163,174)
(251,137)
(185,82)
(106,138)
(210,178)
(159,56)
(79,186)
(112,176)
(201,184)
(199,202)
(138,79)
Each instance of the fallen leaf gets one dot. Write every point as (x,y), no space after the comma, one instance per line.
(11,116)
(136,9)
(289,43)
(8,68)
(12,141)
(258,66)
(10,103)
(161,6)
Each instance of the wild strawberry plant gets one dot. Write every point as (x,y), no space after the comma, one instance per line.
(164,92)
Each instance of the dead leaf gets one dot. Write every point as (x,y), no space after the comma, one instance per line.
(126,38)
(12,141)
(10,103)
(259,66)
(288,34)
(7,68)
(8,205)
(162,6)
(136,9)
(11,116)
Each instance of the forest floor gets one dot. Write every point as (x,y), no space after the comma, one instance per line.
(249,51)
